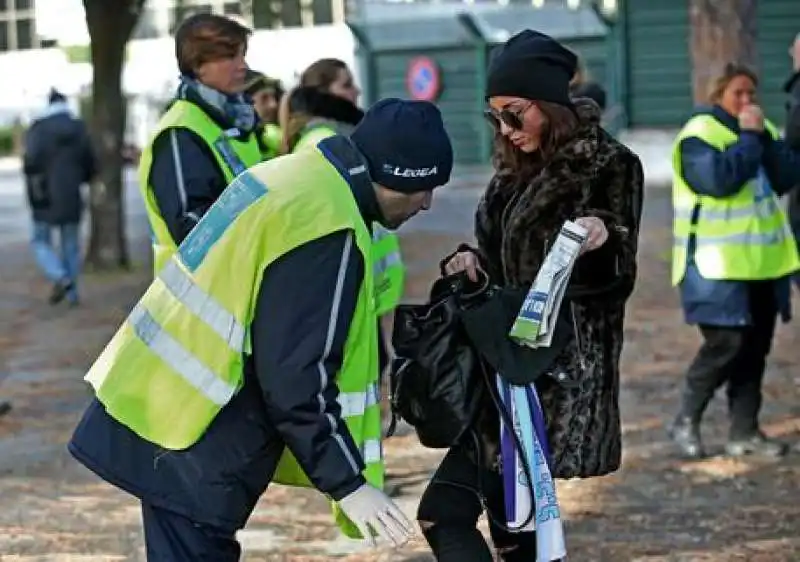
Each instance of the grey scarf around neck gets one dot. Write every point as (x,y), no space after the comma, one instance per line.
(235,108)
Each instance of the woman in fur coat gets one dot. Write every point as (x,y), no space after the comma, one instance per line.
(553,163)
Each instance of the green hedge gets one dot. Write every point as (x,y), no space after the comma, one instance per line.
(7,141)
(78,53)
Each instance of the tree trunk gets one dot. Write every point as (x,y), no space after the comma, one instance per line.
(722,31)
(110,26)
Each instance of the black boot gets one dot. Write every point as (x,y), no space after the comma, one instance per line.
(5,407)
(756,444)
(686,434)
(60,291)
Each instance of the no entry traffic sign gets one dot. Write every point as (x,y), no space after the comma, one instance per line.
(423,79)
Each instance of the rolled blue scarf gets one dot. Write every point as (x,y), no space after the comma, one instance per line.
(520,495)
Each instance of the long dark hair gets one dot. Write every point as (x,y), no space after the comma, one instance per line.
(560,123)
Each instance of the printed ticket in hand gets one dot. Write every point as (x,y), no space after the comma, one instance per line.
(536,319)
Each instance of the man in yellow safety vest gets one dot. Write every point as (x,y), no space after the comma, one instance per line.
(253,356)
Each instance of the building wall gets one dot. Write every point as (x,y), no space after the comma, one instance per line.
(658,65)
(458,101)
(778,24)
(17,25)
(658,70)
(63,22)
(461,100)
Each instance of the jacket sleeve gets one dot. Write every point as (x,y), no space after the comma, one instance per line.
(487,249)
(793,111)
(609,272)
(305,306)
(185,179)
(707,171)
(33,160)
(781,165)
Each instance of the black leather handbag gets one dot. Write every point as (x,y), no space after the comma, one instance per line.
(446,349)
(436,375)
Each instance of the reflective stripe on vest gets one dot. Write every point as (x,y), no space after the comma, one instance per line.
(356,403)
(386,262)
(372,451)
(387,251)
(388,269)
(178,358)
(231,155)
(230,158)
(744,236)
(181,360)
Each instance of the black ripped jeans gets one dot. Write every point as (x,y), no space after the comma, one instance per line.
(449,511)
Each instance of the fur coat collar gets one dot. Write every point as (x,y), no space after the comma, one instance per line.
(518,217)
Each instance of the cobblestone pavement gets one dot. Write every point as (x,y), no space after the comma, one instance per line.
(658,508)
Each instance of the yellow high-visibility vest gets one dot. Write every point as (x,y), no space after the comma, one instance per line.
(741,237)
(179,356)
(232,156)
(271,141)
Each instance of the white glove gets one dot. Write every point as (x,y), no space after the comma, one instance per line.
(371,510)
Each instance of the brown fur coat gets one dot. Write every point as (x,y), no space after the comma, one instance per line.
(518,217)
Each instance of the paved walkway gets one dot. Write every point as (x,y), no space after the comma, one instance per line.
(656,509)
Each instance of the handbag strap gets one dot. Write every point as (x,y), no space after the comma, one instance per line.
(396,377)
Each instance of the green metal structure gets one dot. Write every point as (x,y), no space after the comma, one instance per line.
(460,44)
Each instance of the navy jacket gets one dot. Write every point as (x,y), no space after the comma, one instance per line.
(792,87)
(710,172)
(58,160)
(301,322)
(203,181)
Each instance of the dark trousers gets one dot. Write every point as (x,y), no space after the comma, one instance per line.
(736,356)
(170,537)
(450,507)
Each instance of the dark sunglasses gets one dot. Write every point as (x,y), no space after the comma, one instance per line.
(513,118)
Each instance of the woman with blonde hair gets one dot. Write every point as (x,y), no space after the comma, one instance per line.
(733,256)
(323,104)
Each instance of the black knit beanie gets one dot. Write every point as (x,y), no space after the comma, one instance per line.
(533,66)
(405,145)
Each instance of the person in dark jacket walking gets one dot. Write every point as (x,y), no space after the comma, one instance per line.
(310,329)
(58,161)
